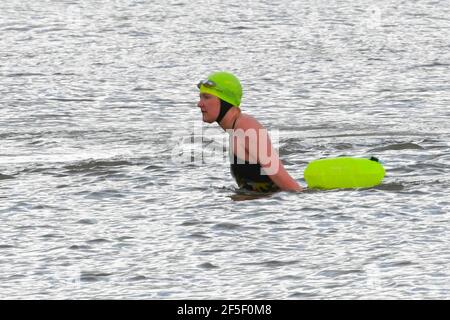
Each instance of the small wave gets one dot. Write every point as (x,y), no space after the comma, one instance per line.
(254,251)
(20,27)
(198,235)
(274,263)
(138,278)
(154,167)
(193,223)
(79,247)
(208,265)
(124,238)
(303,295)
(52,236)
(402,263)
(51,29)
(20,206)
(91,165)
(398,146)
(432,65)
(136,216)
(5,176)
(227,226)
(143,89)
(64,74)
(95,241)
(277,263)
(24,74)
(104,194)
(343,146)
(7,135)
(210,252)
(87,221)
(93,276)
(36,168)
(337,273)
(241,28)
(289,278)
(371,134)
(422,167)
(71,100)
(390,186)
(17,276)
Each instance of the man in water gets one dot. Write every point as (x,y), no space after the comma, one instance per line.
(254,163)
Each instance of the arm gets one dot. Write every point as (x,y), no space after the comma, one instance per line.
(282,178)
(262,150)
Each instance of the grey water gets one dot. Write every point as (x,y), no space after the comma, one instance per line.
(98,97)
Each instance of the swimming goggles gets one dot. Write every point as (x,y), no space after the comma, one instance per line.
(207,84)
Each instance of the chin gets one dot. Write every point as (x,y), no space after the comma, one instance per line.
(207,120)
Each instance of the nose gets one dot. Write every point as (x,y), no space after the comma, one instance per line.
(200,103)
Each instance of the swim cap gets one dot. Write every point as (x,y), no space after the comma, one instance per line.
(223,85)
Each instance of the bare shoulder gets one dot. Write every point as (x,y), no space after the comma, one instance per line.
(246,121)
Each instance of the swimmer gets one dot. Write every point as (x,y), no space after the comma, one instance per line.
(255,164)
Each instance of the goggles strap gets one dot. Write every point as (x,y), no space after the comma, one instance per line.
(224,107)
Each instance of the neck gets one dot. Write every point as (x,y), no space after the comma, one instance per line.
(229,118)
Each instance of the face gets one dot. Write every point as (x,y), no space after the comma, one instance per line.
(210,107)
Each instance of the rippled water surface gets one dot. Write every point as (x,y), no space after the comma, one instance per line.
(96,97)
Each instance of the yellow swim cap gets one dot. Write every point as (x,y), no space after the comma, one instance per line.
(223,85)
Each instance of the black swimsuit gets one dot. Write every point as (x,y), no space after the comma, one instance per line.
(249,175)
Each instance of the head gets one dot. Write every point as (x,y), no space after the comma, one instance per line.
(218,94)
